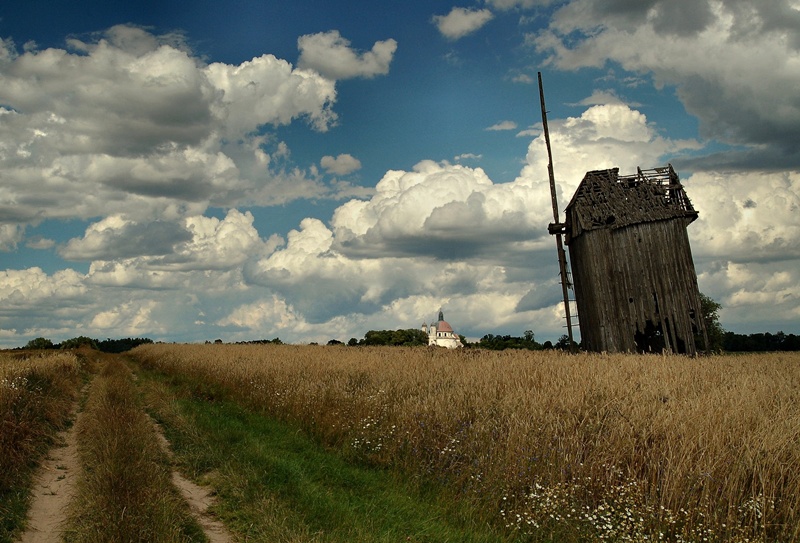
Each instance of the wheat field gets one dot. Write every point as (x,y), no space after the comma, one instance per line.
(36,392)
(577,447)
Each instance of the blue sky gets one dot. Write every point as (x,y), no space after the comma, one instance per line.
(314,170)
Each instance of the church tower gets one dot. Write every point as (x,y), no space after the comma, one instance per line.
(441,334)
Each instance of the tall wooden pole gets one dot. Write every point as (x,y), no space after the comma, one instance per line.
(562,256)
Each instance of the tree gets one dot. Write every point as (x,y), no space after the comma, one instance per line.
(499,343)
(563,344)
(121,345)
(40,343)
(716,335)
(409,337)
(78,342)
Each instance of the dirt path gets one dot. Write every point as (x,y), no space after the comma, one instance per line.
(199,499)
(54,487)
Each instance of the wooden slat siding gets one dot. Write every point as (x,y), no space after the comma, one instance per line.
(612,267)
(620,268)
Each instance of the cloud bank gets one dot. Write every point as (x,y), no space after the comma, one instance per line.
(730,63)
(437,235)
(134,124)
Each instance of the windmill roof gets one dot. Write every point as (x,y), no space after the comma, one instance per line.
(605,199)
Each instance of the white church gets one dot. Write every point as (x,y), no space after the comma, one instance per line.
(441,334)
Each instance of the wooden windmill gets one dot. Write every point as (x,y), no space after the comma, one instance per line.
(635,282)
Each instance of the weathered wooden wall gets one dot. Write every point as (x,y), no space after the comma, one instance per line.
(627,277)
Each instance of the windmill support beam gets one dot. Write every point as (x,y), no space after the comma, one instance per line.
(562,256)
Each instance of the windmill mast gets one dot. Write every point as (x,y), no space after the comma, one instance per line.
(556,228)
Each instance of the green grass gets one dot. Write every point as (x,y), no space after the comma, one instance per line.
(274,483)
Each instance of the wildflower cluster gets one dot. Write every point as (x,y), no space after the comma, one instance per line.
(622,514)
(542,505)
(14,383)
(369,437)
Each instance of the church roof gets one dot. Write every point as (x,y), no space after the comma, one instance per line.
(444,326)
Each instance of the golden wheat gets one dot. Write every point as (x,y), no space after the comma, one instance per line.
(615,447)
(35,394)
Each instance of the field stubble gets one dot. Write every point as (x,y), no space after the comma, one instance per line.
(602,447)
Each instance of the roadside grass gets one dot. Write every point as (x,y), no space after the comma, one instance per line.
(124,493)
(275,483)
(574,448)
(37,391)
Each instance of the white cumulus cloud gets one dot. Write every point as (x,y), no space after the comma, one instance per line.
(340,165)
(135,124)
(736,87)
(32,286)
(330,54)
(461,22)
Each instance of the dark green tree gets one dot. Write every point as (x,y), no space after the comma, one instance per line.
(410,337)
(78,342)
(563,344)
(40,343)
(121,345)
(716,335)
(499,343)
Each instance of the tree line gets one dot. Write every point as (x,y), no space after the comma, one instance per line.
(760,342)
(412,337)
(107,345)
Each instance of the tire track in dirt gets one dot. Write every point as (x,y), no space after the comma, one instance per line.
(199,498)
(53,489)
(55,485)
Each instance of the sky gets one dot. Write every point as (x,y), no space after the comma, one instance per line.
(312,170)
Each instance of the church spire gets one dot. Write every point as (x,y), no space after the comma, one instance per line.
(441,315)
